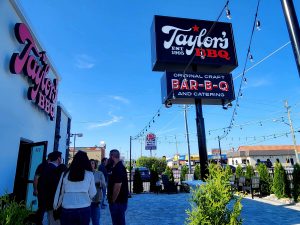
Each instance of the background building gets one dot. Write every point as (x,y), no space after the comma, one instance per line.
(96,152)
(285,154)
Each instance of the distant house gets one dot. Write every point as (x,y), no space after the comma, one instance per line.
(284,154)
(97,153)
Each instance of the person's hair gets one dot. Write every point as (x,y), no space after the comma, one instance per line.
(95,162)
(54,156)
(115,153)
(78,166)
(103,160)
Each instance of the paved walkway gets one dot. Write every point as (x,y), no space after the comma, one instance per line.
(164,209)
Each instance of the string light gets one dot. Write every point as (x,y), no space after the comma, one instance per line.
(245,80)
(228,14)
(251,57)
(257,24)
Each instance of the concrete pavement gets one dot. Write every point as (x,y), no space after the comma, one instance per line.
(164,209)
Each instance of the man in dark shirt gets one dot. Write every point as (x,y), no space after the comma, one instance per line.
(117,189)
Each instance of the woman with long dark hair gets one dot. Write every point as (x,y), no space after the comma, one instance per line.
(75,191)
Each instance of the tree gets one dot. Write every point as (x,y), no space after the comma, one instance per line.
(137,182)
(183,172)
(281,186)
(265,178)
(228,170)
(249,172)
(152,163)
(296,182)
(153,180)
(239,171)
(197,172)
(214,202)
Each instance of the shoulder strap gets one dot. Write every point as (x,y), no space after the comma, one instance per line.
(62,181)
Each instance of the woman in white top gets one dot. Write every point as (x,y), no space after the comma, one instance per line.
(75,191)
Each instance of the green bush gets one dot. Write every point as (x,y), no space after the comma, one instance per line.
(281,185)
(265,179)
(197,172)
(183,172)
(137,182)
(169,173)
(12,212)
(249,172)
(152,163)
(296,182)
(228,170)
(214,202)
(239,171)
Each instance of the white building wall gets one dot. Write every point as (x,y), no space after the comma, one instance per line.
(19,118)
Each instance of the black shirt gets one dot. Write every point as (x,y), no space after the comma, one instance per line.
(118,175)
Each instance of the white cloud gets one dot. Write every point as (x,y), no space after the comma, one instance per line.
(84,61)
(121,99)
(114,119)
(259,82)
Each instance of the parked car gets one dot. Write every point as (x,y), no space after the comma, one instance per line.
(145,173)
(233,169)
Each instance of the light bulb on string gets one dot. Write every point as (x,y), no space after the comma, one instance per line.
(241,94)
(228,14)
(257,24)
(260,123)
(251,57)
(245,80)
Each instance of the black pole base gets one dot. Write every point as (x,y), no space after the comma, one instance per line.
(201,139)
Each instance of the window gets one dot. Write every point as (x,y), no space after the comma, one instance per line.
(292,161)
(236,162)
(248,162)
(244,161)
(277,160)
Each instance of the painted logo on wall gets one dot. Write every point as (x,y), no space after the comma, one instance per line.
(176,40)
(34,65)
(213,88)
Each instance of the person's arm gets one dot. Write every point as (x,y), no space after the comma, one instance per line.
(116,191)
(92,187)
(58,193)
(102,181)
(35,184)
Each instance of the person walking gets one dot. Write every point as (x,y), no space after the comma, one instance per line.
(75,191)
(50,177)
(102,168)
(117,189)
(96,201)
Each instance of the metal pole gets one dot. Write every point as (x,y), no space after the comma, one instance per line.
(201,139)
(219,139)
(293,28)
(292,130)
(74,145)
(130,167)
(187,138)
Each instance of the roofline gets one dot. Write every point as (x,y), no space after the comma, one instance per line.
(18,8)
(64,109)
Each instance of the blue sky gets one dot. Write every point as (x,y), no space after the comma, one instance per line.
(102,51)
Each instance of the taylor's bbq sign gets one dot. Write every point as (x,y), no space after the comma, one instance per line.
(34,65)
(212,88)
(176,40)
(150,143)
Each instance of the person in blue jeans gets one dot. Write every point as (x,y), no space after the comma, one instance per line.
(75,192)
(102,168)
(117,191)
(100,184)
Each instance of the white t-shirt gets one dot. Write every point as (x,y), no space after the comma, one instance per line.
(75,194)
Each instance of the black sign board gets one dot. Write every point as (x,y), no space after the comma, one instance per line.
(175,41)
(212,88)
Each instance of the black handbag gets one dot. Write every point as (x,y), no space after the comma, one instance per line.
(57,212)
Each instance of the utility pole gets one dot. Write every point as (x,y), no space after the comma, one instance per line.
(292,130)
(176,145)
(187,138)
(293,28)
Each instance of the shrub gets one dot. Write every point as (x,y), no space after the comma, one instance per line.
(197,172)
(169,173)
(281,186)
(214,201)
(265,179)
(137,182)
(183,172)
(249,172)
(296,182)
(239,171)
(228,170)
(12,212)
